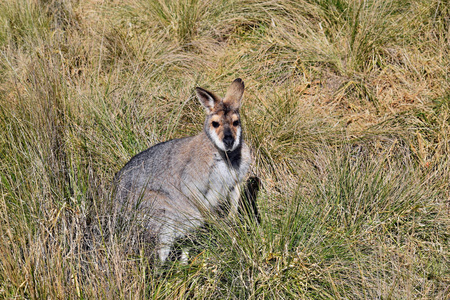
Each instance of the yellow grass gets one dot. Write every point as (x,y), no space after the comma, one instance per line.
(347,111)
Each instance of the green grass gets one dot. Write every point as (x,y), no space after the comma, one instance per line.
(347,111)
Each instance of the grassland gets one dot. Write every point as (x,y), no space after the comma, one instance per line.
(347,110)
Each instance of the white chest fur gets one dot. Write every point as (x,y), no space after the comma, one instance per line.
(223,178)
(221,181)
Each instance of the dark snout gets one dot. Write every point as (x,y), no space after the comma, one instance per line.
(228,139)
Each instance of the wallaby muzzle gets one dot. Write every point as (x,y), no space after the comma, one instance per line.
(228,139)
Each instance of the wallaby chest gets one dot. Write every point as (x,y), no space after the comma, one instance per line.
(224,176)
(221,176)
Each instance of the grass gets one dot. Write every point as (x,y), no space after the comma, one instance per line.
(347,111)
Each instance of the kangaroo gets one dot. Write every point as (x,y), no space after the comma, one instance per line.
(177,182)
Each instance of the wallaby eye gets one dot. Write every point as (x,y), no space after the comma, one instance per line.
(215,124)
(235,123)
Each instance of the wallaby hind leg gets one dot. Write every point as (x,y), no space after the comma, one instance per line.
(169,232)
(184,256)
(166,238)
(161,221)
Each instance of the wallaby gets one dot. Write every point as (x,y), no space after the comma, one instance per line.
(176,183)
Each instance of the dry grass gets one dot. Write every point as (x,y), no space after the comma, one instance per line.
(347,110)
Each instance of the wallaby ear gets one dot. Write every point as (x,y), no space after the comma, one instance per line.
(234,94)
(207,98)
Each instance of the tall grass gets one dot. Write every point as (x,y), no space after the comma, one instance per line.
(346,110)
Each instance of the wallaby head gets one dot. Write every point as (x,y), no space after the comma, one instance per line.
(223,124)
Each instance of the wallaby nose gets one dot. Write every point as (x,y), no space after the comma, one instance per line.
(228,139)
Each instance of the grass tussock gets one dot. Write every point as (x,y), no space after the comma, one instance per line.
(347,110)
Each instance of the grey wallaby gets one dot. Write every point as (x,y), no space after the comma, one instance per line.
(177,183)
